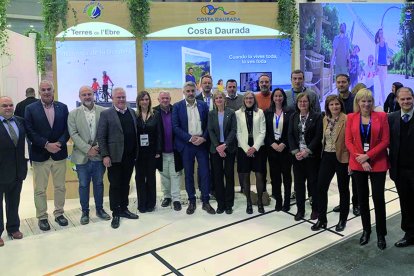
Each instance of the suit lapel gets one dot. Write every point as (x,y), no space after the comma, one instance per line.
(116,118)
(225,119)
(5,133)
(84,122)
(42,113)
(341,123)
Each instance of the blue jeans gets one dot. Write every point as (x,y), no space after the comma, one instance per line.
(91,170)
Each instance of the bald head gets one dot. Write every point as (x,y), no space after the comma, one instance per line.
(6,107)
(86,96)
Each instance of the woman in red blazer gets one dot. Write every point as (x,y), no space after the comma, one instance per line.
(367,137)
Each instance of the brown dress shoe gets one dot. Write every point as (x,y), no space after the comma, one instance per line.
(16,235)
(1,242)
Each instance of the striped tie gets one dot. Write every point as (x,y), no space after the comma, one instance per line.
(12,132)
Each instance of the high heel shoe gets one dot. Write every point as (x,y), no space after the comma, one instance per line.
(319,225)
(249,209)
(364,238)
(381,243)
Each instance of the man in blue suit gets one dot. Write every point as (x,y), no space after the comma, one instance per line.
(190,128)
(47,129)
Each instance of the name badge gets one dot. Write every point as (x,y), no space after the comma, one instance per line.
(144,140)
(366,147)
(277,135)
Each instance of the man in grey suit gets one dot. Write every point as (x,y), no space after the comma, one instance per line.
(82,125)
(117,140)
(297,78)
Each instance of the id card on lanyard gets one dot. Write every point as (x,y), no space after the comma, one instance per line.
(277,131)
(365,134)
(144,138)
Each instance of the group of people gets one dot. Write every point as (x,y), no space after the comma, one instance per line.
(285,129)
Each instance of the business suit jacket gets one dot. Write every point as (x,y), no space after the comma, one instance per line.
(313,133)
(380,137)
(178,162)
(394,120)
(180,123)
(110,135)
(21,107)
(81,136)
(229,129)
(259,129)
(39,131)
(13,165)
(270,137)
(342,153)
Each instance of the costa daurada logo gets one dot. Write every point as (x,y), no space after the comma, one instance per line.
(93,10)
(210,10)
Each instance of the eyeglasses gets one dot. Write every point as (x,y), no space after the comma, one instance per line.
(7,105)
(46,89)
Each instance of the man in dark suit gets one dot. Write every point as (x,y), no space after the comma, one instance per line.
(21,106)
(13,167)
(402,166)
(170,165)
(47,129)
(117,140)
(190,129)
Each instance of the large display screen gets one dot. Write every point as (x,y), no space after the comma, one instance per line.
(79,62)
(365,41)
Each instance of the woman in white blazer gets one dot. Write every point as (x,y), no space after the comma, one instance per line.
(251,132)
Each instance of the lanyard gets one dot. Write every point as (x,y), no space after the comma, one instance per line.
(277,118)
(365,133)
(144,122)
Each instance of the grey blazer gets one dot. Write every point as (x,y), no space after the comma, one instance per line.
(80,134)
(229,128)
(110,134)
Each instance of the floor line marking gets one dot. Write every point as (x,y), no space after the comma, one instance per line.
(104,252)
(167,264)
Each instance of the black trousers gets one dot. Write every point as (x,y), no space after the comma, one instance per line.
(377,186)
(305,171)
(354,192)
(119,175)
(145,180)
(12,198)
(405,188)
(329,166)
(224,168)
(280,166)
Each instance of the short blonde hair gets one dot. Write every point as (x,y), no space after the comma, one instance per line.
(364,93)
(219,93)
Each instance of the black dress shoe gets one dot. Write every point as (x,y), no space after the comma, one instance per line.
(102,214)
(318,225)
(44,225)
(299,216)
(286,208)
(364,238)
(356,211)
(220,211)
(314,215)
(381,243)
(84,218)
(249,209)
(191,208)
(260,209)
(340,226)
(127,214)
(278,206)
(404,242)
(149,210)
(115,222)
(229,211)
(61,220)
(166,202)
(337,209)
(207,207)
(177,206)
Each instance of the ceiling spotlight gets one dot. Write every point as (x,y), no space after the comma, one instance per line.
(31,26)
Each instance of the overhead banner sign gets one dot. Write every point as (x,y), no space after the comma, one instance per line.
(216,29)
(95,29)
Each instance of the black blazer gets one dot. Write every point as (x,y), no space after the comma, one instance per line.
(152,128)
(313,133)
(177,157)
(13,165)
(270,137)
(229,128)
(39,131)
(394,121)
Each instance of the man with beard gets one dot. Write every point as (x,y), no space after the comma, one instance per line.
(340,51)
(206,95)
(264,97)
(190,128)
(47,129)
(82,126)
(233,100)
(297,78)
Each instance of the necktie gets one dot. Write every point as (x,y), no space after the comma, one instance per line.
(406,117)
(12,132)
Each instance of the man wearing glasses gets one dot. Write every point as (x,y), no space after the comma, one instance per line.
(46,124)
